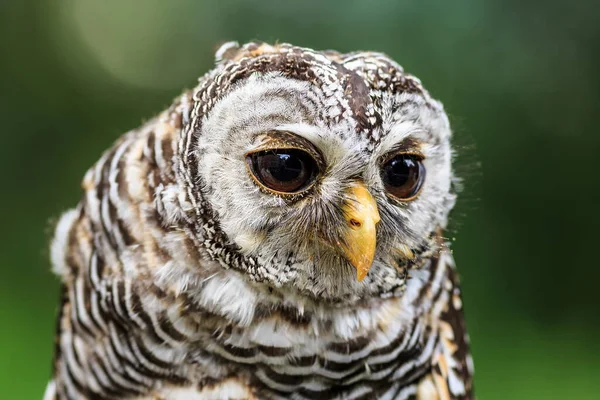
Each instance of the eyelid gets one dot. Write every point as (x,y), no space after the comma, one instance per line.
(415,152)
(407,146)
(284,140)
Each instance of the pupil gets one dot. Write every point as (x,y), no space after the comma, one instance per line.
(284,167)
(399,171)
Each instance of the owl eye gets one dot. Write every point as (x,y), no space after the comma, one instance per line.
(283,170)
(403,176)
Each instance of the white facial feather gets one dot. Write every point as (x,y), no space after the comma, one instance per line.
(256,221)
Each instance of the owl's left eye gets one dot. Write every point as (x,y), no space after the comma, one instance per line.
(403,176)
(283,170)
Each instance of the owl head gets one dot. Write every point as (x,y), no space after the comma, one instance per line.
(326,173)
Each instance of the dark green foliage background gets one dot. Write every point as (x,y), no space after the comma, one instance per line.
(520,79)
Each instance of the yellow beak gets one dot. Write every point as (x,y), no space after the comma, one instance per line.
(360,211)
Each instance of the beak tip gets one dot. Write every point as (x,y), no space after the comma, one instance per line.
(360,275)
(363,267)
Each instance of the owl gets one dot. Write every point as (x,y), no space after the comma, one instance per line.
(277,233)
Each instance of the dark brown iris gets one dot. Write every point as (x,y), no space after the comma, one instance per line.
(283,170)
(403,176)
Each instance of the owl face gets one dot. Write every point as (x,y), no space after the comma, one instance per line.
(330,178)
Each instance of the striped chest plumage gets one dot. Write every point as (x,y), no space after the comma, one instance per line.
(379,351)
(383,350)
(167,296)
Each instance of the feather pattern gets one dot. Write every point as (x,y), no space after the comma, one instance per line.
(165,296)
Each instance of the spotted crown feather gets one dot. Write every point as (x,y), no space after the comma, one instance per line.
(165,297)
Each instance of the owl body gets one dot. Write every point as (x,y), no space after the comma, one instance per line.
(187,277)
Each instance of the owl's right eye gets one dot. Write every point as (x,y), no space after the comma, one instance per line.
(283,170)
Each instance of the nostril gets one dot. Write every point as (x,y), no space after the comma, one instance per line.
(355,223)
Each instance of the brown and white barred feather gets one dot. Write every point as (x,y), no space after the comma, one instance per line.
(132,326)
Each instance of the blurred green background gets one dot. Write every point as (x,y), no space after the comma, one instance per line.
(520,80)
